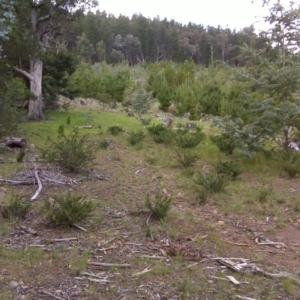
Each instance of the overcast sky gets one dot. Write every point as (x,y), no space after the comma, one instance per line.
(235,14)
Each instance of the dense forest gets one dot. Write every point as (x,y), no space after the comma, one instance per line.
(100,37)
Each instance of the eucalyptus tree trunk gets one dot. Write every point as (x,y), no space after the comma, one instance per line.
(35,108)
(43,23)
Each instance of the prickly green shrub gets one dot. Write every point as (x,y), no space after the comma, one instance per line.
(21,155)
(186,139)
(18,206)
(264,193)
(136,137)
(228,168)
(104,144)
(291,164)
(159,207)
(65,210)
(224,142)
(115,130)
(186,158)
(213,183)
(159,133)
(202,196)
(72,152)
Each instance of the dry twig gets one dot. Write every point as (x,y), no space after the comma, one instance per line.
(79,227)
(52,295)
(243,297)
(34,197)
(147,270)
(237,244)
(109,265)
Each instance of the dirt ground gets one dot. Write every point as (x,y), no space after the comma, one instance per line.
(122,253)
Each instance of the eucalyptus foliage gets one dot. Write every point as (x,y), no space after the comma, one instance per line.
(6,17)
(270,107)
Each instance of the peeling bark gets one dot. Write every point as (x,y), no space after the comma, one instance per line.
(35,109)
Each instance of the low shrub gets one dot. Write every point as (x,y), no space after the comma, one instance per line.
(228,168)
(159,207)
(160,133)
(21,155)
(136,137)
(264,193)
(213,183)
(202,196)
(224,142)
(186,139)
(104,144)
(71,152)
(291,164)
(186,158)
(18,206)
(66,210)
(115,130)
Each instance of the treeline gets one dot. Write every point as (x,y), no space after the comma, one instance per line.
(99,37)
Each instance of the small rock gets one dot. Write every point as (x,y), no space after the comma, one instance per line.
(13,285)
(4,272)
(220,223)
(3,189)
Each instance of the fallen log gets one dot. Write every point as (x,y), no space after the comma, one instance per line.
(14,142)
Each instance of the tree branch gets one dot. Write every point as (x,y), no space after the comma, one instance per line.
(26,74)
(36,174)
(43,19)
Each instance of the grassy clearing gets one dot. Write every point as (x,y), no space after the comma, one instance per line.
(167,257)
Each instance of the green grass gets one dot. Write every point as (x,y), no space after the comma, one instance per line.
(37,132)
(187,224)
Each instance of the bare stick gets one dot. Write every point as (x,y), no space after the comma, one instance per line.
(138,171)
(220,278)
(148,219)
(49,294)
(147,270)
(16,182)
(79,227)
(107,242)
(108,248)
(99,176)
(109,265)
(91,274)
(36,174)
(193,265)
(64,240)
(28,229)
(233,280)
(14,222)
(154,257)
(279,275)
(237,244)
(244,298)
(98,280)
